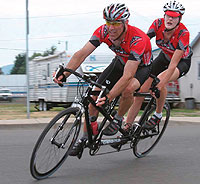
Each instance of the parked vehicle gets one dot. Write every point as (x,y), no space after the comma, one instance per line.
(173,95)
(5,95)
(46,94)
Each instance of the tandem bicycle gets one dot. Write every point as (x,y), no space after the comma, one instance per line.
(61,133)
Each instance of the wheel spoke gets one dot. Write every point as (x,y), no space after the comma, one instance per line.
(149,138)
(49,154)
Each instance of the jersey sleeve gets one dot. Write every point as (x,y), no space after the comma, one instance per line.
(153,28)
(137,49)
(98,36)
(183,41)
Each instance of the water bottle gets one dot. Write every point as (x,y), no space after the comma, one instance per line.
(94,125)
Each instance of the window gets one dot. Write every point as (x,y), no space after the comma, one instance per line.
(48,70)
(199,70)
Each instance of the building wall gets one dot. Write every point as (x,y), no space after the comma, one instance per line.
(190,83)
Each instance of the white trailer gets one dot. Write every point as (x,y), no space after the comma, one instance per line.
(45,93)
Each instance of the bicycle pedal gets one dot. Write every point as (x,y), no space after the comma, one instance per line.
(81,151)
(154,130)
(119,148)
(80,154)
(116,147)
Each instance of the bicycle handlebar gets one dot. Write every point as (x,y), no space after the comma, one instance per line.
(88,79)
(85,77)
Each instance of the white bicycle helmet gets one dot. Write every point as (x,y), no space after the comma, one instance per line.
(174,6)
(116,12)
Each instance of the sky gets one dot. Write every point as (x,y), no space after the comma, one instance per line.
(68,24)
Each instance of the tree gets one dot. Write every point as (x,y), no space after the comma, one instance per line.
(35,54)
(20,62)
(50,52)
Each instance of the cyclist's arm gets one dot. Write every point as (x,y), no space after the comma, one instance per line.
(129,71)
(153,28)
(78,58)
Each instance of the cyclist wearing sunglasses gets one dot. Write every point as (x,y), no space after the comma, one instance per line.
(127,71)
(173,61)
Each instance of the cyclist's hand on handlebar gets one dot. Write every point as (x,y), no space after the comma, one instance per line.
(59,76)
(58,80)
(155,94)
(103,101)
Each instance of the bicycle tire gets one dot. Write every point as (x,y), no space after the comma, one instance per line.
(148,139)
(47,156)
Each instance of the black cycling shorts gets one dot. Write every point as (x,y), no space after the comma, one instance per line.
(160,63)
(114,72)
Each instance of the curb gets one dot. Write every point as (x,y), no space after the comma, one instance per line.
(42,122)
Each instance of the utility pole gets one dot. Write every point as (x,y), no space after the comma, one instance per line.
(27,61)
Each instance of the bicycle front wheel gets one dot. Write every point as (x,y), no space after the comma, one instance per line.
(148,139)
(53,145)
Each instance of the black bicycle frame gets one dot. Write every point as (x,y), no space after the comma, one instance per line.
(87,99)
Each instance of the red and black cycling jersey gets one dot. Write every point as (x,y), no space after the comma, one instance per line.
(179,40)
(136,45)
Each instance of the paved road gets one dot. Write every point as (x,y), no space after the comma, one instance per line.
(175,160)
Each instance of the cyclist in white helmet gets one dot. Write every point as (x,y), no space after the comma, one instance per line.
(173,62)
(127,71)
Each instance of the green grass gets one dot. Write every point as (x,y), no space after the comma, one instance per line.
(22,107)
(185,112)
(19,111)
(16,110)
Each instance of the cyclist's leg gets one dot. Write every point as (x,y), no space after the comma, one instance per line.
(157,116)
(159,65)
(107,78)
(93,112)
(181,69)
(137,103)
(78,147)
(125,103)
(139,79)
(126,99)
(142,75)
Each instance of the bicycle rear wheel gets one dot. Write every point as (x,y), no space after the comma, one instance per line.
(54,143)
(148,139)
